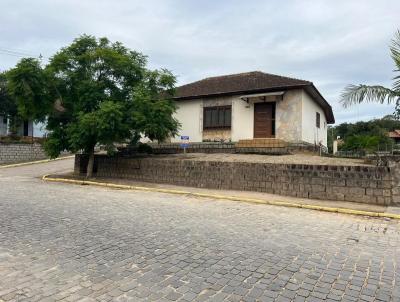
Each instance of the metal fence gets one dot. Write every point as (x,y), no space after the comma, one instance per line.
(351,154)
(381,150)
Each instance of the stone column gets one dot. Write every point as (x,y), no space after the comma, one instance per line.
(395,173)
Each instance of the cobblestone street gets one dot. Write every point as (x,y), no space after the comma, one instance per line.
(61,242)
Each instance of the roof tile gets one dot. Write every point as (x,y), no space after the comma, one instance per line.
(241,82)
(249,82)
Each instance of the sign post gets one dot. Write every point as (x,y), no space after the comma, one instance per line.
(184,142)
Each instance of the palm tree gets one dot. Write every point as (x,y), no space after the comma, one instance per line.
(355,94)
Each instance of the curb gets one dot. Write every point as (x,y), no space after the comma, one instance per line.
(225,197)
(35,162)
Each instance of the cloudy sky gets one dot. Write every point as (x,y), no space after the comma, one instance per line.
(332,43)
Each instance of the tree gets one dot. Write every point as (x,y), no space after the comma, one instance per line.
(355,94)
(95,92)
(366,143)
(8,105)
(364,135)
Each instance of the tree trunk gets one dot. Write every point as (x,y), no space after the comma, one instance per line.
(89,170)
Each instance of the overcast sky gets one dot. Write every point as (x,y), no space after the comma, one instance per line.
(331,43)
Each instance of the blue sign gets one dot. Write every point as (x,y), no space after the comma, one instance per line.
(184,142)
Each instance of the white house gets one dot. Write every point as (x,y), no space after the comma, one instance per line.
(27,128)
(252,105)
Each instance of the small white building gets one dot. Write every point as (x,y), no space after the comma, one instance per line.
(27,128)
(252,105)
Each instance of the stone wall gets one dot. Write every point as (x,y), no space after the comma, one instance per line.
(366,184)
(20,152)
(175,148)
(288,117)
(225,147)
(211,135)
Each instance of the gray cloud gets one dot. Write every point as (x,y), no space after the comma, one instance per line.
(332,43)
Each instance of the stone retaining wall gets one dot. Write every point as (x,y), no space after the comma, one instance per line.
(20,152)
(175,148)
(366,184)
(230,147)
(205,147)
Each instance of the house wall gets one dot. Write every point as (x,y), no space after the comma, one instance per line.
(20,130)
(190,115)
(242,120)
(295,119)
(288,116)
(34,129)
(216,134)
(310,132)
(3,126)
(39,129)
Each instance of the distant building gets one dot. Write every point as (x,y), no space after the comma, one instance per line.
(27,128)
(395,136)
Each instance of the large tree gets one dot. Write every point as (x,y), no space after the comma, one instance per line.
(8,105)
(95,92)
(355,94)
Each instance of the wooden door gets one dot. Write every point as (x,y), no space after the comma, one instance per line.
(264,120)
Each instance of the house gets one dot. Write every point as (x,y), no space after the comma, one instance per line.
(252,105)
(27,128)
(395,136)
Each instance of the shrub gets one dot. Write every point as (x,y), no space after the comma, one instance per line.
(366,143)
(144,148)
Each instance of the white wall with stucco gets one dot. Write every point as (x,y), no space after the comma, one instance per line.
(34,129)
(190,115)
(242,120)
(39,129)
(288,116)
(295,119)
(310,132)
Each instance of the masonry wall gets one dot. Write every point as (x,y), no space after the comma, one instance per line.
(373,185)
(289,116)
(13,153)
(189,113)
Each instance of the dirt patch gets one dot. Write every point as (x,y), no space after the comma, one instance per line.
(306,159)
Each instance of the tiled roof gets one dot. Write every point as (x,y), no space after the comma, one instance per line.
(394,134)
(249,82)
(240,82)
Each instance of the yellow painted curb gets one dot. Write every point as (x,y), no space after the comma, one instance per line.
(35,162)
(226,197)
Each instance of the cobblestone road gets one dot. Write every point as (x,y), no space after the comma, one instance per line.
(76,243)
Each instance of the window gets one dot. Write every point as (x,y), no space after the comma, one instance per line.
(5,120)
(217,117)
(318,120)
